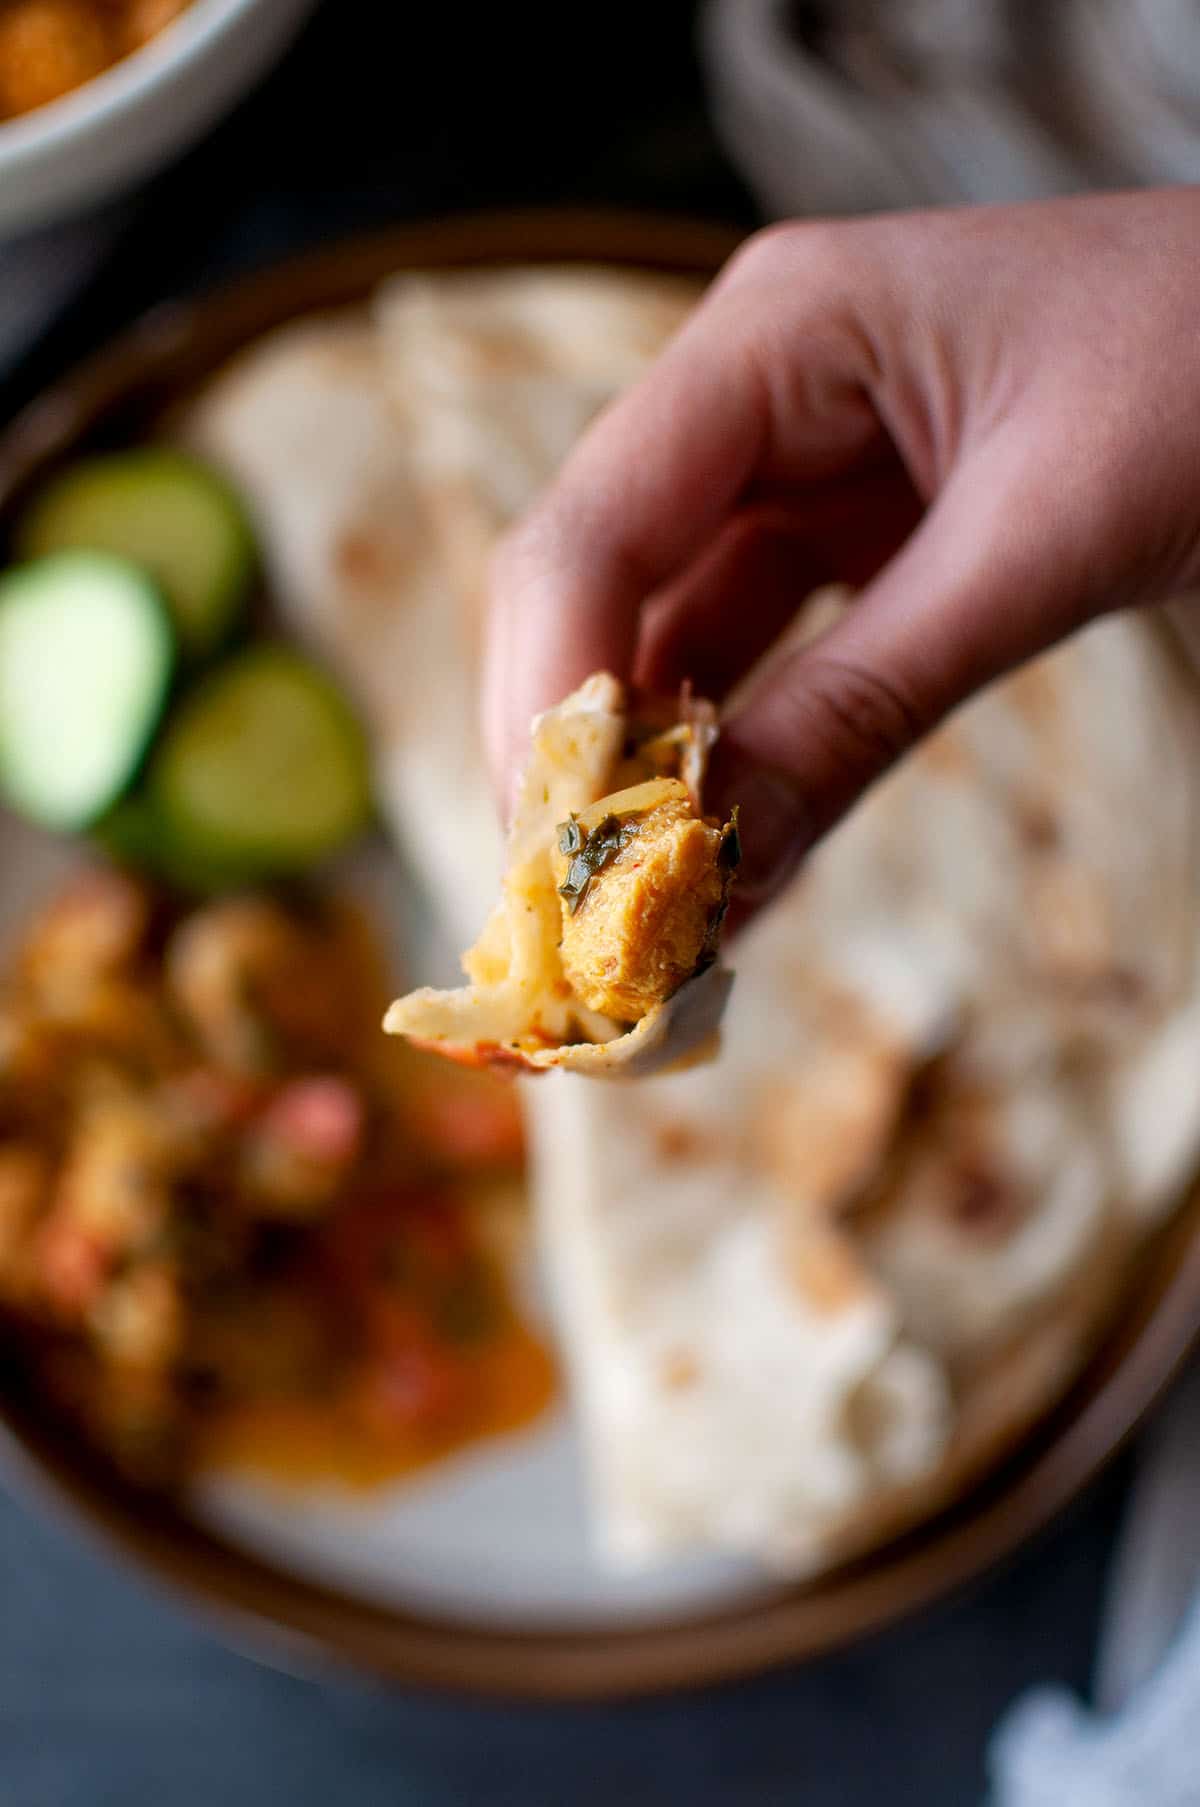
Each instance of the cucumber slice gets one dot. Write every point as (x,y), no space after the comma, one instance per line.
(263,770)
(86,657)
(165,511)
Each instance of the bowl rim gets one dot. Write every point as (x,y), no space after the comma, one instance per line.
(119,89)
(294,1622)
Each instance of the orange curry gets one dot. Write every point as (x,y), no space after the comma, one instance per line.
(237,1223)
(49,47)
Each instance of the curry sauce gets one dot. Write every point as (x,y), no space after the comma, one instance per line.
(238,1225)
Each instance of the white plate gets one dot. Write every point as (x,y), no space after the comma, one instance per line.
(497,1536)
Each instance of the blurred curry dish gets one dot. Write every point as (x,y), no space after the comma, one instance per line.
(232,1218)
(49,47)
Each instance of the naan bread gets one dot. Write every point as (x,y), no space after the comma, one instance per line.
(809,1291)
(381,456)
(303,424)
(499,374)
(933,1115)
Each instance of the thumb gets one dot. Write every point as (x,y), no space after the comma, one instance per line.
(972,593)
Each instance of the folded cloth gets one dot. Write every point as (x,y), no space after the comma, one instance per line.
(852,105)
(1157,1565)
(1050,1752)
(1143,1744)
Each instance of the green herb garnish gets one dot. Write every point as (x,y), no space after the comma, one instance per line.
(590,856)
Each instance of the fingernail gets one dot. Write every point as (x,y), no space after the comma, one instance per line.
(773,820)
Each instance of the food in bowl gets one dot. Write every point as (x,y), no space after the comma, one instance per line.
(600,956)
(50,47)
(236,1224)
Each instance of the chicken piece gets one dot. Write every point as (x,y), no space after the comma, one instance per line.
(619,905)
(218,963)
(115,1182)
(137,1321)
(644,884)
(84,941)
(254,983)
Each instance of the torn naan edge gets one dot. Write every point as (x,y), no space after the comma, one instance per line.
(601,955)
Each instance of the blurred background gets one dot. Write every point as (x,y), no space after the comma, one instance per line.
(375,117)
(372,115)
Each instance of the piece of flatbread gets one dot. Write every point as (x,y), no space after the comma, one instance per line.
(303,424)
(382,453)
(934,1113)
(519,1009)
(499,373)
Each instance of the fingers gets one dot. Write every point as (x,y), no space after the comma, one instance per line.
(982,584)
(711,624)
(765,382)
(645,488)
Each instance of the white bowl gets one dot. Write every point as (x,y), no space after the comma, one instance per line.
(123,125)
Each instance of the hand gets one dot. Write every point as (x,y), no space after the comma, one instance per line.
(989,419)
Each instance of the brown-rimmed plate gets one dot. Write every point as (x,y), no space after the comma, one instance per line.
(745,1624)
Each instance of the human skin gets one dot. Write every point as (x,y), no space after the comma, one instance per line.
(987,419)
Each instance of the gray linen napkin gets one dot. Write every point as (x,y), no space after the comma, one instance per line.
(1141,1747)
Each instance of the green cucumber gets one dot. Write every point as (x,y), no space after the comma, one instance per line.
(87,652)
(165,511)
(262,771)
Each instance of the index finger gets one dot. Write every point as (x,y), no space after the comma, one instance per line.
(768,380)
